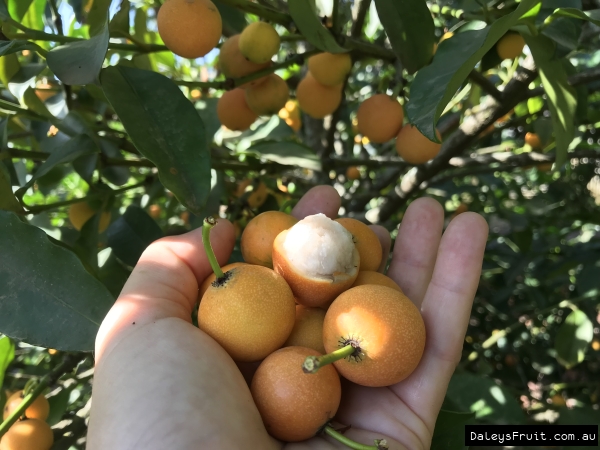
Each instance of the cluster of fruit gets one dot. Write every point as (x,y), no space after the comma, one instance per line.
(31,433)
(310,304)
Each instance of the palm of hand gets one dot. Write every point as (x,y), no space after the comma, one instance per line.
(162,383)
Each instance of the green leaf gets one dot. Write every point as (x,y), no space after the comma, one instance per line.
(306,19)
(564,32)
(573,339)
(449,432)
(51,300)
(233,19)
(287,153)
(436,84)
(8,201)
(562,98)
(165,128)
(130,234)
(9,67)
(35,104)
(410,29)
(113,274)
(4,14)
(574,13)
(58,405)
(9,47)
(7,354)
(119,25)
(98,16)
(78,63)
(579,415)
(207,108)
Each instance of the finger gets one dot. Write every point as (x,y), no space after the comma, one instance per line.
(386,243)
(320,199)
(446,310)
(164,283)
(416,247)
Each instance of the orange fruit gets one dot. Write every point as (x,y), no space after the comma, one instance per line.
(30,434)
(510,46)
(291,114)
(259,42)
(154,211)
(233,111)
(372,277)
(366,241)
(212,277)
(380,118)
(259,234)
(317,100)
(268,97)
(352,173)
(533,140)
(308,329)
(415,148)
(330,69)
(81,212)
(39,409)
(234,65)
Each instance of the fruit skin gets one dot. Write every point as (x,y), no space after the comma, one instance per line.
(308,329)
(330,69)
(259,42)
(316,292)
(415,148)
(533,140)
(39,409)
(388,327)
(251,314)
(293,405)
(212,277)
(233,111)
(80,213)
(372,277)
(317,100)
(268,97)
(380,118)
(30,434)
(234,65)
(258,236)
(510,46)
(366,241)
(189,28)
(352,173)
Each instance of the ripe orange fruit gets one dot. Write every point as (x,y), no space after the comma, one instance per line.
(80,213)
(250,313)
(212,277)
(352,173)
(259,42)
(189,28)
(533,140)
(291,114)
(385,328)
(258,236)
(233,111)
(293,405)
(558,400)
(380,118)
(268,97)
(372,277)
(258,195)
(308,329)
(234,65)
(154,211)
(317,100)
(366,241)
(510,46)
(330,69)
(415,148)
(39,409)
(30,434)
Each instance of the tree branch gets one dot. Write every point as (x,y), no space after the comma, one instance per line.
(359,19)
(486,85)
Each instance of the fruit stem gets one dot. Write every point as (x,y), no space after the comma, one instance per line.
(208,224)
(380,444)
(313,363)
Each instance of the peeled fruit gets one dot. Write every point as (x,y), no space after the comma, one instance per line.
(330,69)
(39,409)
(533,140)
(268,97)
(317,258)
(294,406)
(212,277)
(366,241)
(234,65)
(250,313)
(189,28)
(259,42)
(352,173)
(80,213)
(233,111)
(385,328)
(259,234)
(380,118)
(317,100)
(308,329)
(415,148)
(372,277)
(510,46)
(30,434)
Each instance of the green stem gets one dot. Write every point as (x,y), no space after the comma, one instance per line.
(379,443)
(336,20)
(208,224)
(313,363)
(285,204)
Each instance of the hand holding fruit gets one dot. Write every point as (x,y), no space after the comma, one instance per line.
(163,383)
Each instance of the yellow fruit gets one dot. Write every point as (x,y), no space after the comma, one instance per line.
(268,97)
(80,213)
(533,140)
(372,277)
(258,194)
(212,277)
(510,46)
(196,94)
(30,434)
(39,409)
(291,114)
(352,173)
(234,65)
(446,35)
(259,42)
(233,111)
(366,242)
(258,236)
(154,211)
(558,400)
(189,28)
(308,329)
(380,118)
(317,100)
(330,69)
(415,148)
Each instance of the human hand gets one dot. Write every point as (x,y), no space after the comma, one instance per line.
(161,383)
